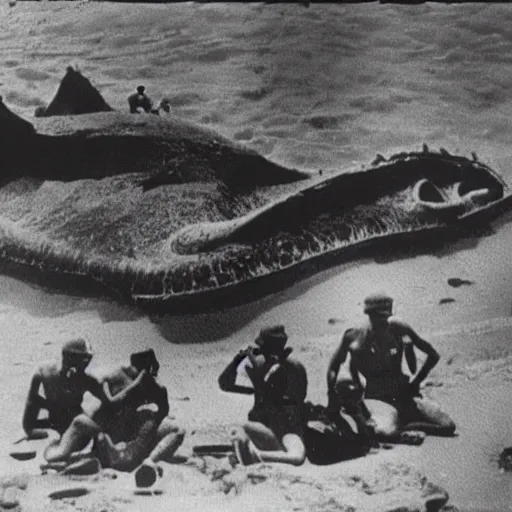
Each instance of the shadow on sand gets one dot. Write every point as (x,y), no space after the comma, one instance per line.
(220,324)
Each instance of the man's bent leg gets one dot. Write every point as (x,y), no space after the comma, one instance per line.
(262,437)
(429,418)
(126,456)
(262,445)
(385,419)
(170,437)
(78,434)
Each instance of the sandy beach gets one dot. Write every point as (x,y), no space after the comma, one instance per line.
(325,87)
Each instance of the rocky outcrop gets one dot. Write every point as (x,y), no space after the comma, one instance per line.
(75,95)
(12,126)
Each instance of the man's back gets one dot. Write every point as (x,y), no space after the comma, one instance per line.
(278,383)
(289,382)
(138,100)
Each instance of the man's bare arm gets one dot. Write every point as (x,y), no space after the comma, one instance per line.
(410,357)
(354,372)
(103,392)
(34,403)
(162,401)
(227,379)
(337,359)
(432,358)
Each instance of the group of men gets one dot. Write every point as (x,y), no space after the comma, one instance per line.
(131,430)
(139,100)
(387,408)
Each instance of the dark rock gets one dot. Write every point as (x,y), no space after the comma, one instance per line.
(10,498)
(446,300)
(75,95)
(436,497)
(378,159)
(12,126)
(505,461)
(145,476)
(456,282)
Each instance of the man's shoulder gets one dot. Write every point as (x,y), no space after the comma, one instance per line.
(295,364)
(111,373)
(292,361)
(47,369)
(92,377)
(398,323)
(353,333)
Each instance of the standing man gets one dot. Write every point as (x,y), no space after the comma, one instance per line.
(376,349)
(276,426)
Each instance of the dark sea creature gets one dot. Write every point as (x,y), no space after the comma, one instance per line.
(218,224)
(95,146)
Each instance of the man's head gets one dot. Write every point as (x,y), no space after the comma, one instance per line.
(145,360)
(76,356)
(141,89)
(165,105)
(347,393)
(378,307)
(272,340)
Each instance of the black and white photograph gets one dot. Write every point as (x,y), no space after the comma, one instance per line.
(255,256)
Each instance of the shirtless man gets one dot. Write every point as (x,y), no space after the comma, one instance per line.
(140,100)
(151,435)
(64,384)
(128,433)
(376,349)
(275,430)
